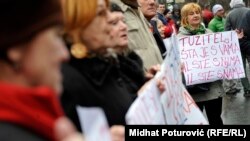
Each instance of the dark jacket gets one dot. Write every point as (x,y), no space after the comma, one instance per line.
(11,132)
(162,18)
(237,19)
(96,82)
(245,41)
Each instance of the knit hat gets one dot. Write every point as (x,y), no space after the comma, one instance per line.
(22,19)
(236,2)
(216,8)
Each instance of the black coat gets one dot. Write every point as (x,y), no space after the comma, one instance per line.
(97,82)
(13,132)
(245,41)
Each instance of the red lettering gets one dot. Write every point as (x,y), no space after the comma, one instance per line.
(197,40)
(216,38)
(204,52)
(188,102)
(191,42)
(230,73)
(183,39)
(190,53)
(206,76)
(189,78)
(209,37)
(201,64)
(186,68)
(213,50)
(216,62)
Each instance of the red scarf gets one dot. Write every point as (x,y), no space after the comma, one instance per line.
(33,108)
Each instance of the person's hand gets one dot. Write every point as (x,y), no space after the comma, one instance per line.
(161,85)
(65,131)
(240,33)
(152,71)
(117,133)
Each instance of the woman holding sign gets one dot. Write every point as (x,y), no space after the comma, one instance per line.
(207,96)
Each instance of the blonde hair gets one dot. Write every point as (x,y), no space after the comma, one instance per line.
(186,9)
(78,14)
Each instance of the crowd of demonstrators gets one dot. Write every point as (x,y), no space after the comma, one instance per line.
(110,55)
(208,96)
(217,24)
(140,39)
(98,73)
(31,53)
(168,29)
(207,14)
(234,21)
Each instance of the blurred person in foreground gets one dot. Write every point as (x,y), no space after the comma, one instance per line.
(31,53)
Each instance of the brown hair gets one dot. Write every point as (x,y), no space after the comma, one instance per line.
(186,9)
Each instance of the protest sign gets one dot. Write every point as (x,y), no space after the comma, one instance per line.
(210,57)
(147,108)
(174,105)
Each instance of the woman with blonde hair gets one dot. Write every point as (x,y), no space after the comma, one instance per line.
(208,96)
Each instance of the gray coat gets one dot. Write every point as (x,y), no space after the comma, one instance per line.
(215,88)
(235,17)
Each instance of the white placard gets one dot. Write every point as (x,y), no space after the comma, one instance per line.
(211,57)
(93,123)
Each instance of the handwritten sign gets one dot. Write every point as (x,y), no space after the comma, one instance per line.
(174,105)
(179,107)
(211,57)
(147,108)
(93,123)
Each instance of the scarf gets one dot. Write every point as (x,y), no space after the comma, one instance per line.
(198,31)
(36,109)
